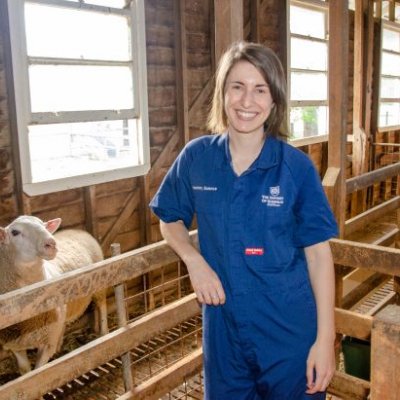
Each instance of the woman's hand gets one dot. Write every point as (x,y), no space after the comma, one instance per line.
(205,282)
(320,366)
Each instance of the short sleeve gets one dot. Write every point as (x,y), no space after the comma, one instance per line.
(315,221)
(174,198)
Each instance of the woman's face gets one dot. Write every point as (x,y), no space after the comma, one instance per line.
(247,99)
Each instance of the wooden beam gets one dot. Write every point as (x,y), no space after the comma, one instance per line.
(385,260)
(26,302)
(167,380)
(360,221)
(369,178)
(254,21)
(228,16)
(22,200)
(376,79)
(385,354)
(359,136)
(353,324)
(181,72)
(349,387)
(338,102)
(99,351)
(363,289)
(90,210)
(388,238)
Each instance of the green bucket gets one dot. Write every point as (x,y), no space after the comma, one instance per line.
(357,357)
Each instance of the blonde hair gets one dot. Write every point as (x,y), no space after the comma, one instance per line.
(270,67)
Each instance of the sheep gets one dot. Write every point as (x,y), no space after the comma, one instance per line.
(30,253)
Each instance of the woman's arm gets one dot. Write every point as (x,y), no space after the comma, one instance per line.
(321,358)
(205,281)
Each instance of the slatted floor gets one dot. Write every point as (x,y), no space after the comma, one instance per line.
(106,381)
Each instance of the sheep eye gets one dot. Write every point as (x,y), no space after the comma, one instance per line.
(15,232)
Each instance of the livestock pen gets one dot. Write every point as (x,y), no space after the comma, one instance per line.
(163,345)
(153,349)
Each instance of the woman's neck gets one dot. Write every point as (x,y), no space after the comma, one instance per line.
(244,150)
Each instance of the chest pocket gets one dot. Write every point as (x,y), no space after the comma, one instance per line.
(271,230)
(207,201)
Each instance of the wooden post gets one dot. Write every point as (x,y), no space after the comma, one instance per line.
(119,291)
(334,180)
(182,105)
(385,354)
(338,102)
(254,21)
(228,23)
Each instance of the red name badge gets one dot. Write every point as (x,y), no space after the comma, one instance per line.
(254,251)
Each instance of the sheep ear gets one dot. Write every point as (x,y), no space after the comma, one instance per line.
(53,224)
(3,236)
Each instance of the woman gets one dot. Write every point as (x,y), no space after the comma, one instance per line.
(264,273)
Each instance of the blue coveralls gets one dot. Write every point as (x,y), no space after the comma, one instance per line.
(252,231)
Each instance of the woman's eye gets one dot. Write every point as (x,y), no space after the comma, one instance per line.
(15,232)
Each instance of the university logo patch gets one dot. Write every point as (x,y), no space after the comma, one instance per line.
(274,191)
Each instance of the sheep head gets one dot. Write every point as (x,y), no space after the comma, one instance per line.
(31,238)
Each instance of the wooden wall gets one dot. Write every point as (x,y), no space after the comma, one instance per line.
(180,57)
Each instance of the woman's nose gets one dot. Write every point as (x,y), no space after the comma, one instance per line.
(247,98)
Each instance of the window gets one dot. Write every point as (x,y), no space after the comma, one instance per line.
(389,105)
(80,85)
(386,10)
(308,78)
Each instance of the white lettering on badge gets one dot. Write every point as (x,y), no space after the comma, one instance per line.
(273,198)
(205,188)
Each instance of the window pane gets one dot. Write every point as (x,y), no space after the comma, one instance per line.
(308,121)
(307,22)
(389,114)
(306,54)
(391,40)
(65,150)
(390,88)
(107,3)
(64,33)
(74,88)
(390,64)
(308,86)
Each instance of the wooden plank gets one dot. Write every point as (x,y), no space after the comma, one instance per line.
(167,380)
(385,354)
(130,206)
(26,302)
(349,387)
(254,22)
(388,238)
(369,178)
(90,210)
(385,260)
(144,214)
(358,222)
(363,289)
(181,72)
(359,136)
(99,351)
(353,324)
(376,80)
(228,23)
(338,102)
(22,201)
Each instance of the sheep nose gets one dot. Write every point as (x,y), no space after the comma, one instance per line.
(50,244)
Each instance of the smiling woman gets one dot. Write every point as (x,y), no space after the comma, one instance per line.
(264,273)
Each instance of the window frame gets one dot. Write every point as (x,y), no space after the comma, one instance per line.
(391,26)
(314,5)
(25,117)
